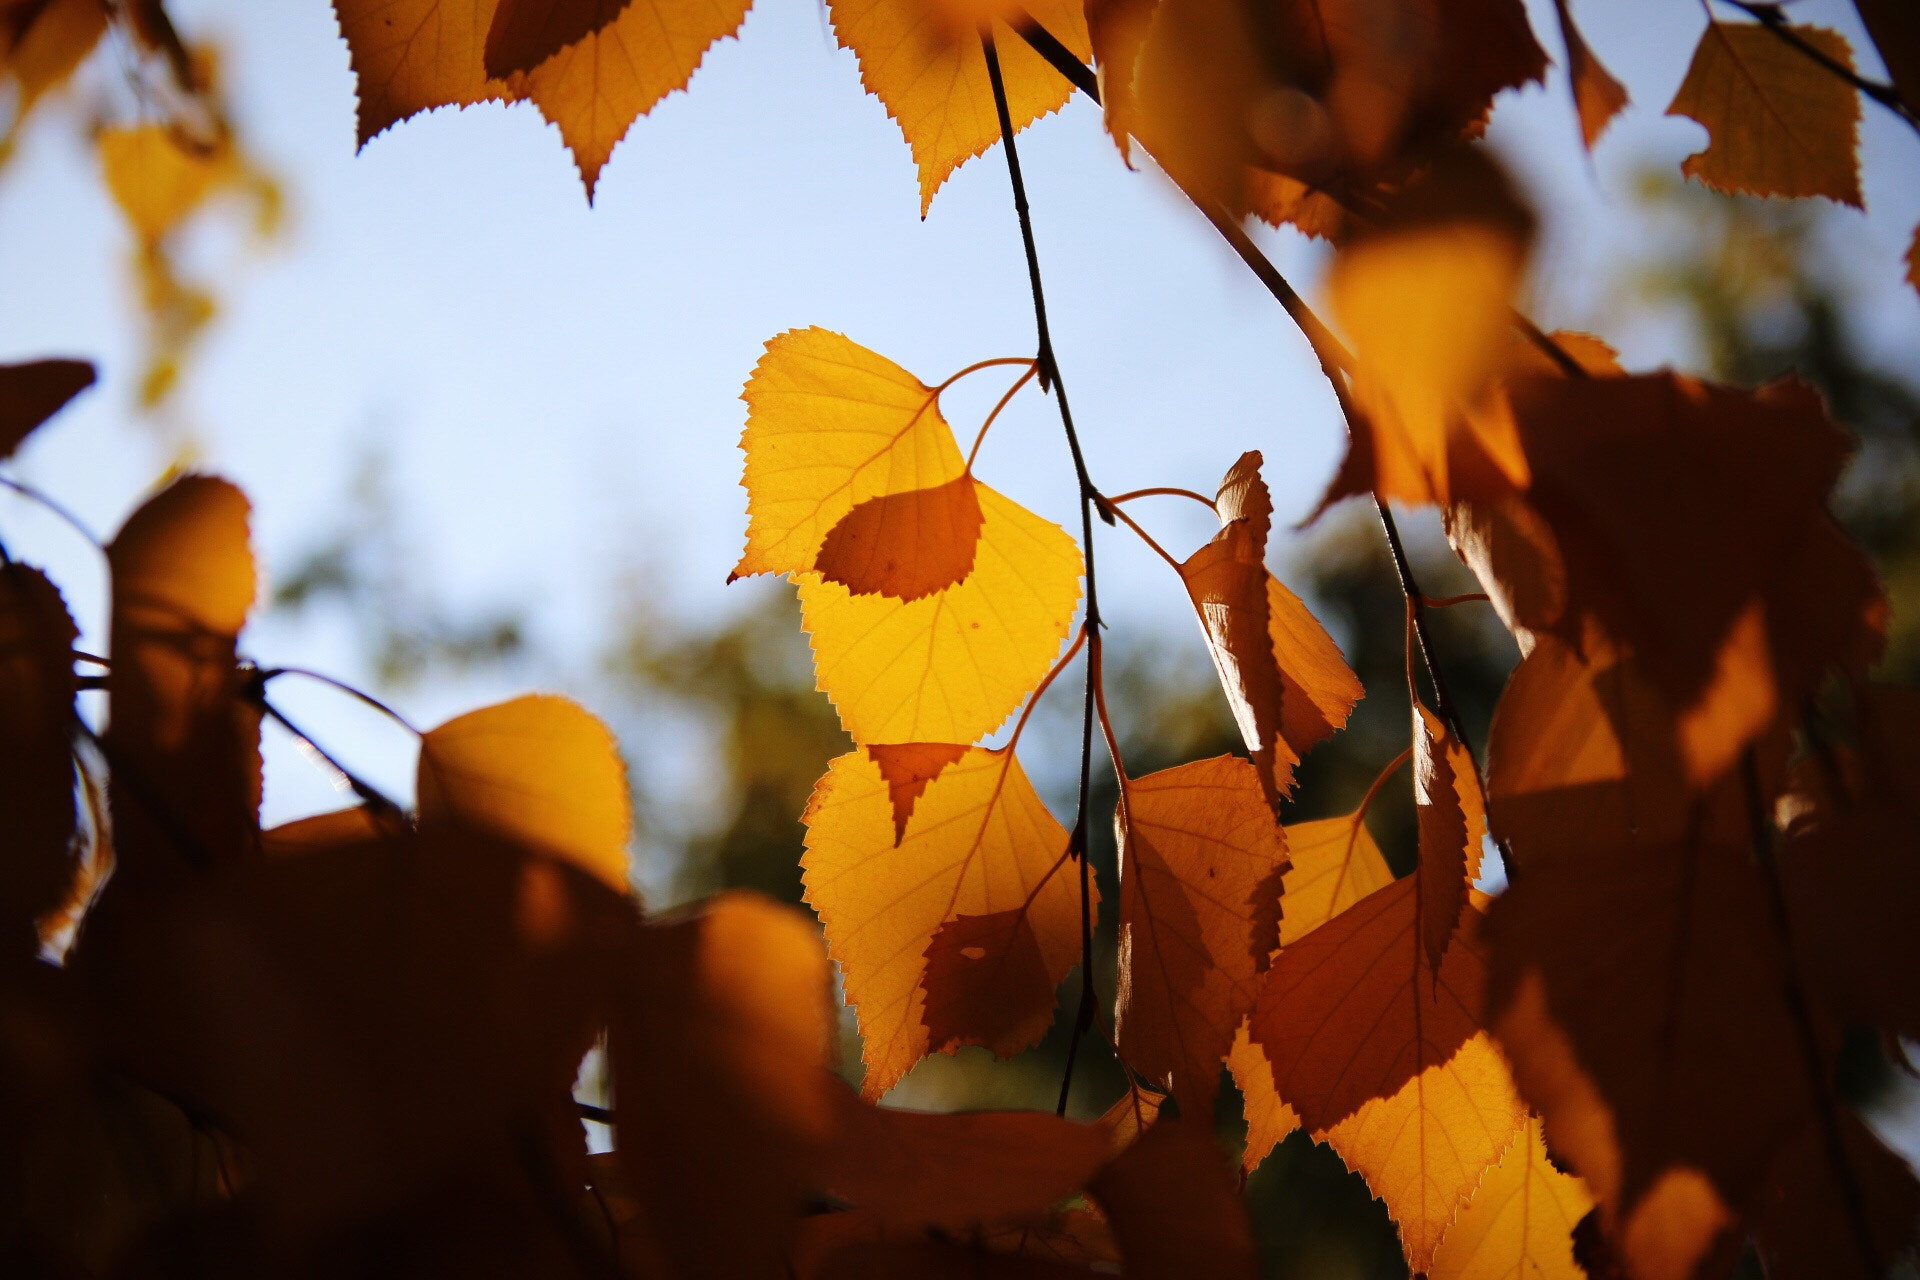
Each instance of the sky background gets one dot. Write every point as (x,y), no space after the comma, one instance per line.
(553,389)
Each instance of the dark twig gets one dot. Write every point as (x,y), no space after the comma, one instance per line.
(370,795)
(1090,502)
(1770,17)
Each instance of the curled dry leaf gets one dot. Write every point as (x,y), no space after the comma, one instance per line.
(1520,1221)
(1778,123)
(1201,859)
(976,884)
(923,60)
(540,771)
(1285,679)
(33,391)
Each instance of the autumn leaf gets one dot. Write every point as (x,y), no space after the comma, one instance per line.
(185,745)
(1443,869)
(1423,1149)
(1174,1207)
(411,56)
(37,690)
(1334,864)
(1200,864)
(1913,260)
(1778,123)
(1597,96)
(594,90)
(1896,34)
(1285,679)
(908,768)
(1131,1116)
(1520,1221)
(539,771)
(1116,29)
(720,1049)
(1426,295)
(980,853)
(923,60)
(157,178)
(33,391)
(42,43)
(525,33)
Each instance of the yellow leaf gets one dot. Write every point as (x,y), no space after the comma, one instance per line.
(1424,1149)
(1200,864)
(539,771)
(595,89)
(156,179)
(979,843)
(951,666)
(1285,679)
(410,56)
(1269,1118)
(1778,123)
(923,60)
(1520,1221)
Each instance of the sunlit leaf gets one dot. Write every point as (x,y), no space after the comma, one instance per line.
(410,56)
(1520,1221)
(525,33)
(156,178)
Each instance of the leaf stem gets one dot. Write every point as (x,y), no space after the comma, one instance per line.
(1049,370)
(266,674)
(1033,367)
(978,365)
(1145,537)
(1202,499)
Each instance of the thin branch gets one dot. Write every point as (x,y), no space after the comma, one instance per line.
(1145,537)
(1776,22)
(267,674)
(344,778)
(1447,602)
(1089,502)
(978,365)
(74,522)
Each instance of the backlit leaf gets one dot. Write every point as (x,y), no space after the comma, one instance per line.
(525,33)
(1778,123)
(1520,1221)
(37,691)
(923,60)
(33,391)
(539,771)
(42,43)
(1444,856)
(156,178)
(1597,96)
(978,845)
(410,56)
(1285,679)
(1200,864)
(1174,1207)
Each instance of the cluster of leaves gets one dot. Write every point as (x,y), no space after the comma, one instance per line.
(1624,1062)
(165,156)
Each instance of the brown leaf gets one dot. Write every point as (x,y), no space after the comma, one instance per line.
(905,545)
(1778,123)
(1200,864)
(410,56)
(1131,1116)
(957,1172)
(1285,679)
(34,391)
(1895,29)
(1597,96)
(37,692)
(908,767)
(1353,1011)
(525,33)
(1443,871)
(987,981)
(42,43)
(1174,1207)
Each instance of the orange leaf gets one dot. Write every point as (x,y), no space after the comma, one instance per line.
(923,60)
(979,844)
(410,56)
(905,545)
(186,781)
(908,767)
(1284,677)
(1131,1116)
(594,89)
(34,391)
(525,33)
(55,39)
(1444,870)
(1200,865)
(539,771)
(1778,123)
(1269,1118)
(1520,1221)
(1597,96)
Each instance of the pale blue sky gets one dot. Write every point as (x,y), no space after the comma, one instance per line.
(556,386)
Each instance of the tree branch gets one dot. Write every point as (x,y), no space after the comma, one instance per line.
(1770,17)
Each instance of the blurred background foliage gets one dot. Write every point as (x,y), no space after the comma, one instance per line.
(1758,294)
